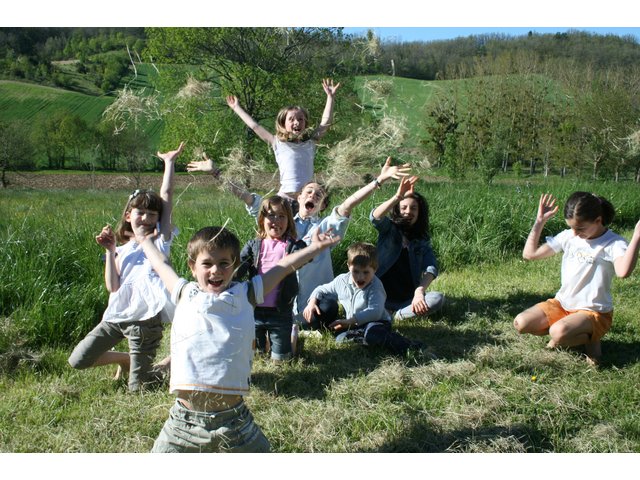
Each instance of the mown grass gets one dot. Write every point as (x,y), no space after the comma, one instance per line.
(491,390)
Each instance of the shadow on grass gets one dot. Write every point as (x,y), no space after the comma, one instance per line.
(421,437)
(616,354)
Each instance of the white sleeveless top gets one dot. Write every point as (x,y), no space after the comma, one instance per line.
(295,163)
(142,294)
(212,338)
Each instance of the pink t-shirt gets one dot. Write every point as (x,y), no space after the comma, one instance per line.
(271,252)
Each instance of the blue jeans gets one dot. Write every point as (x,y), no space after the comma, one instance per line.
(328,306)
(277,325)
(434,300)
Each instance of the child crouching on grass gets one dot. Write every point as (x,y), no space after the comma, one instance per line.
(362,296)
(582,310)
(211,342)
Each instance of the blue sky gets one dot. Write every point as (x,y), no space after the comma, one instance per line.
(410,34)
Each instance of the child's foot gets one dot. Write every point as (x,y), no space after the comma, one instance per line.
(593,353)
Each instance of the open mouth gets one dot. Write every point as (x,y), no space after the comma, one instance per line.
(216,283)
(309,205)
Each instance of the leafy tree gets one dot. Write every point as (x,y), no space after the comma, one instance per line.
(266,68)
(16,149)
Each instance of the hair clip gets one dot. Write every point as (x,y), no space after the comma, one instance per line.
(135,193)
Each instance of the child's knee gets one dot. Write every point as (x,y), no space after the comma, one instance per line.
(519,323)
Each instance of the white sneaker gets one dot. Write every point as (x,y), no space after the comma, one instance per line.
(309,334)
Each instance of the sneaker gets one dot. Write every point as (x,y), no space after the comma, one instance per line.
(419,349)
(309,334)
(350,336)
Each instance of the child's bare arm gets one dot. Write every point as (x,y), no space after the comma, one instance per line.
(158,261)
(294,261)
(259,130)
(107,240)
(406,186)
(166,190)
(388,171)
(547,208)
(327,115)
(625,264)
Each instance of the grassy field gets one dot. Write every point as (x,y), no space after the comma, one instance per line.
(490,390)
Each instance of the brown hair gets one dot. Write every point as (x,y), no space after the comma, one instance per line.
(281,131)
(209,239)
(142,199)
(266,206)
(363,255)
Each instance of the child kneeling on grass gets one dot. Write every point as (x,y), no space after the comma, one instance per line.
(582,310)
(362,296)
(211,342)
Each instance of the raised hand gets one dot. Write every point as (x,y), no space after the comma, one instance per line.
(329,87)
(406,186)
(324,240)
(232,101)
(107,239)
(547,208)
(171,156)
(393,171)
(207,165)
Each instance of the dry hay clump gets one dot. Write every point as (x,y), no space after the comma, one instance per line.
(633,141)
(194,89)
(378,88)
(239,168)
(369,146)
(131,108)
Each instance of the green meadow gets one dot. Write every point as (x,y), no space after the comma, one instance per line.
(490,390)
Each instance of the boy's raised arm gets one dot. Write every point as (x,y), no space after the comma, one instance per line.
(290,263)
(158,261)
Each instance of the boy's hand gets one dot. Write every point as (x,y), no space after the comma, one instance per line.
(171,156)
(309,311)
(107,239)
(393,171)
(205,165)
(342,323)
(329,87)
(324,240)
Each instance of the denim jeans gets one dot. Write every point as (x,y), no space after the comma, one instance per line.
(434,300)
(232,431)
(380,334)
(328,306)
(277,325)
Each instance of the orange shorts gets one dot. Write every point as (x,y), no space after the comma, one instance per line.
(600,321)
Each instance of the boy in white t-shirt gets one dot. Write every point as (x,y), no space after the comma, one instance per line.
(211,342)
(582,310)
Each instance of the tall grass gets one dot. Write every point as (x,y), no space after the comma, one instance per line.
(490,391)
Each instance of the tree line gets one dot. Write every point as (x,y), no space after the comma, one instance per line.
(563,103)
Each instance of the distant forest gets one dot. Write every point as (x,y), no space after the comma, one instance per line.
(564,103)
(27,53)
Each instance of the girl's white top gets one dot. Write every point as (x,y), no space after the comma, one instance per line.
(212,337)
(295,163)
(142,294)
(587,269)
